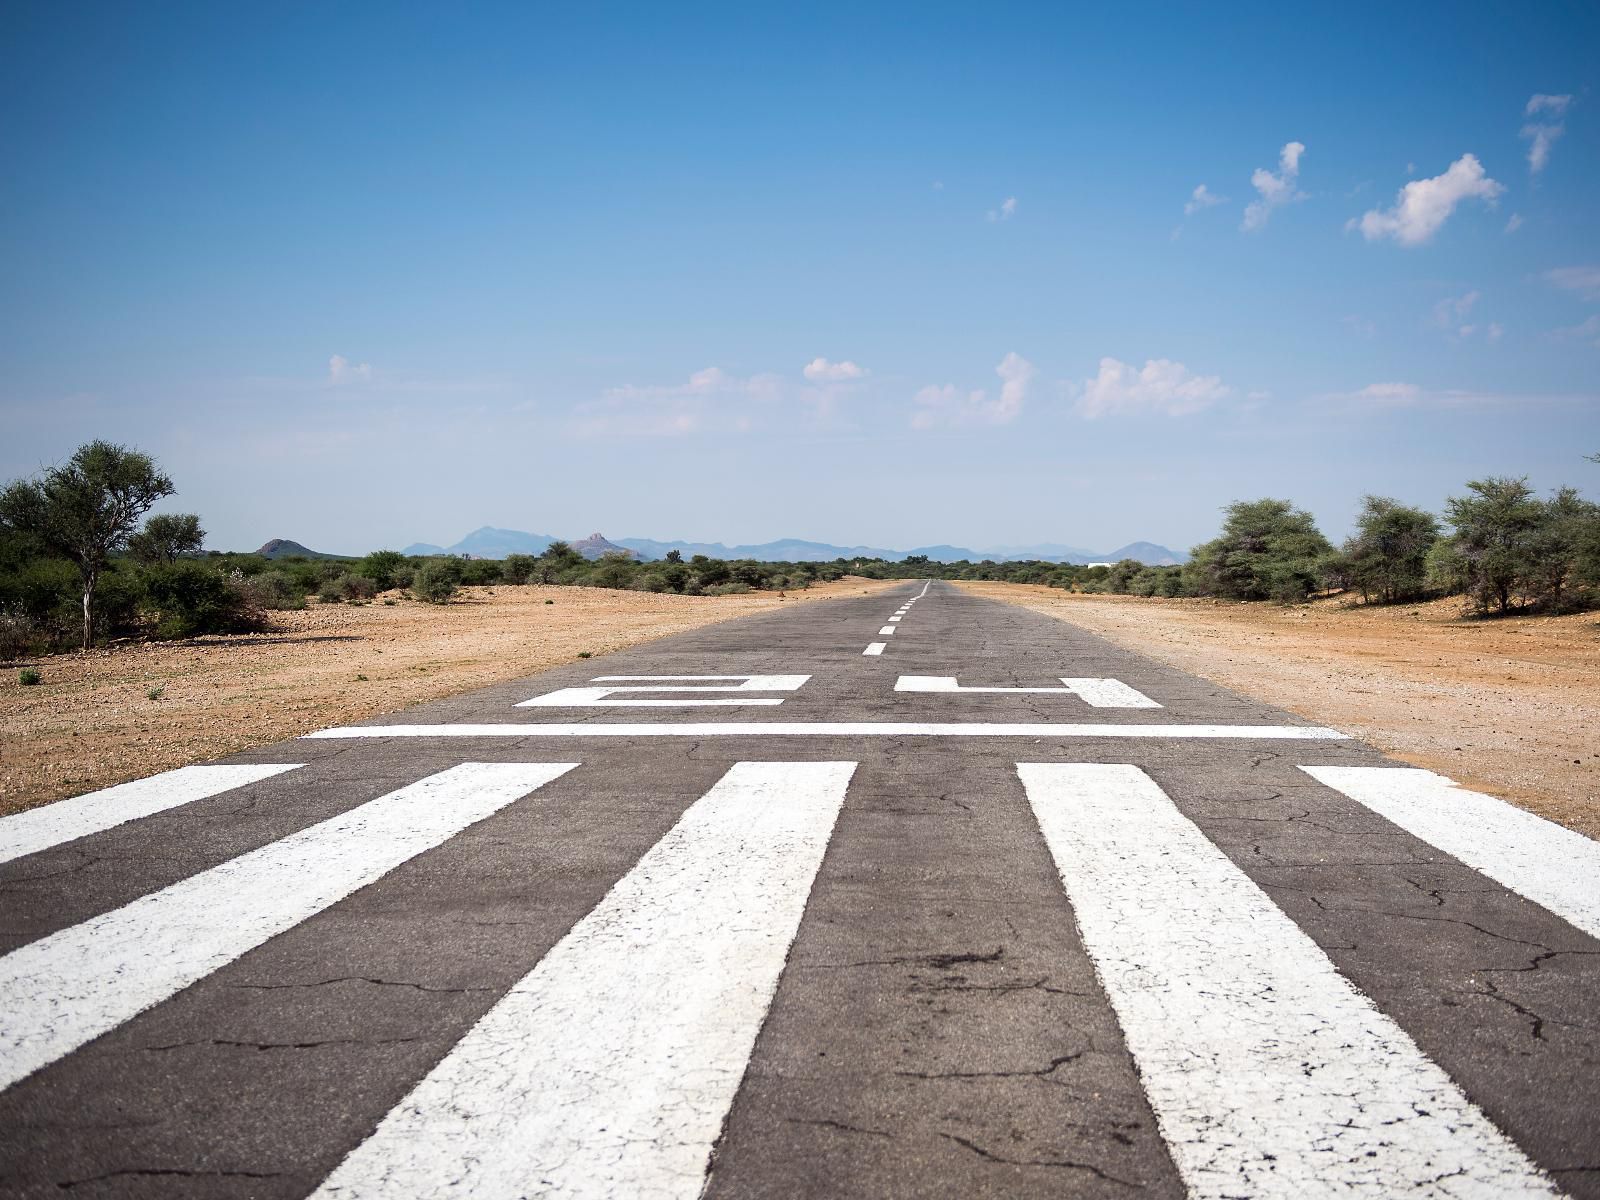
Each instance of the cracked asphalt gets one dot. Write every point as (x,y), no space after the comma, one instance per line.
(938,1027)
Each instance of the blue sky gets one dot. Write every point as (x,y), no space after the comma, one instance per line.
(366,275)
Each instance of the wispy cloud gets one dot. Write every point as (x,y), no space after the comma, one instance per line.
(1202,197)
(1007,210)
(1274,190)
(948,407)
(1454,315)
(343,373)
(1515,223)
(1424,205)
(1542,134)
(820,370)
(1161,386)
(711,400)
(1395,395)
(1584,331)
(1585,281)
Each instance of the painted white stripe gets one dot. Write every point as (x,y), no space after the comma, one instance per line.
(68,988)
(875,648)
(599,697)
(608,1069)
(1270,1074)
(893,619)
(1097,693)
(1538,859)
(530,729)
(886,631)
(67,820)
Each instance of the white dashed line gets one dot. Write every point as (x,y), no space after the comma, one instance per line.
(886,631)
(67,820)
(608,1070)
(1545,862)
(895,618)
(1270,1073)
(70,987)
(536,729)
(874,648)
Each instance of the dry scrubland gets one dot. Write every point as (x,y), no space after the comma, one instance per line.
(92,722)
(1508,706)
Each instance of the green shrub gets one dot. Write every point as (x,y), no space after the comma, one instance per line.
(437,581)
(188,598)
(354,587)
(1269,550)
(28,677)
(380,567)
(480,572)
(273,590)
(19,634)
(518,568)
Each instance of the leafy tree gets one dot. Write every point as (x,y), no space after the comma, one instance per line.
(437,581)
(1269,550)
(1491,555)
(166,537)
(674,556)
(380,566)
(1562,551)
(557,558)
(518,568)
(87,510)
(710,572)
(1388,555)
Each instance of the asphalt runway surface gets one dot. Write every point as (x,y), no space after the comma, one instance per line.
(911,895)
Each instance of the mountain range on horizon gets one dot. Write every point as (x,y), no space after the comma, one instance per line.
(490,542)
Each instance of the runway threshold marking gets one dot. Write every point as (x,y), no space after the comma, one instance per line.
(609,1069)
(1271,1075)
(70,987)
(68,820)
(698,729)
(1538,859)
(1097,693)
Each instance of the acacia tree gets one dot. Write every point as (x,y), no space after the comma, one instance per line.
(1269,549)
(86,510)
(1388,555)
(166,537)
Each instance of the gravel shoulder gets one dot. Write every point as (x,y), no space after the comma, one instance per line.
(92,722)
(1510,706)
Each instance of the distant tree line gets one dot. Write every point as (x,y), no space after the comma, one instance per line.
(81,563)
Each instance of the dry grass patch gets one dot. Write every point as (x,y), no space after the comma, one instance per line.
(92,722)
(1508,706)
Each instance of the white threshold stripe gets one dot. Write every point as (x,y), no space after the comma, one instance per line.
(70,987)
(1097,693)
(534,729)
(875,647)
(1538,859)
(1270,1074)
(67,820)
(608,1069)
(886,631)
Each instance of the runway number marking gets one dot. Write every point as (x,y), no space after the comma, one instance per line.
(603,697)
(1097,693)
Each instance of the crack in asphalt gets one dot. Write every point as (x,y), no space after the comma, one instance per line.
(839,1125)
(167,1172)
(1055,1064)
(246,1045)
(421,987)
(1063,1163)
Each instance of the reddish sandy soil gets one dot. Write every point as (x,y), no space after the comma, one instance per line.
(93,723)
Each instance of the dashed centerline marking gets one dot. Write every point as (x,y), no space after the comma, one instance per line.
(874,648)
(534,729)
(886,631)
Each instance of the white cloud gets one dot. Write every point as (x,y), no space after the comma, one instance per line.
(1275,190)
(1007,210)
(1360,326)
(1399,394)
(938,185)
(1585,281)
(1515,223)
(1541,135)
(1495,331)
(1160,386)
(948,406)
(1452,314)
(1423,205)
(711,400)
(1555,105)
(1393,395)
(342,372)
(1585,331)
(820,370)
(1202,197)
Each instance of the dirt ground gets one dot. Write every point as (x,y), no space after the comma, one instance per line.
(1508,706)
(92,722)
